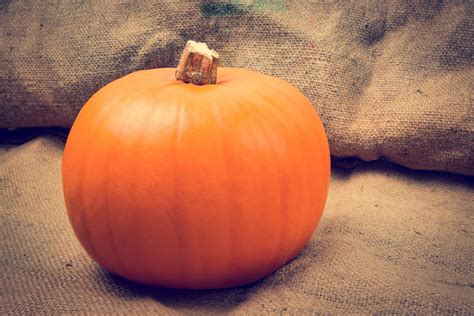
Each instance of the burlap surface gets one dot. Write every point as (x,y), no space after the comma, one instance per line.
(390,79)
(390,241)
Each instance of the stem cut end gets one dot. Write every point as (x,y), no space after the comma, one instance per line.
(198,64)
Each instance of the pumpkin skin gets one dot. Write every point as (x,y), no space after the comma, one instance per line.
(183,186)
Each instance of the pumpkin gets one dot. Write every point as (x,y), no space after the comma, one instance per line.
(195,177)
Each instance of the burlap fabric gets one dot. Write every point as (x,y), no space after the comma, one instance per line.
(390,241)
(390,79)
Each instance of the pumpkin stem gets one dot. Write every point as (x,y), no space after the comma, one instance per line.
(198,64)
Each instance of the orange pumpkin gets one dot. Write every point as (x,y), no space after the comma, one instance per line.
(195,185)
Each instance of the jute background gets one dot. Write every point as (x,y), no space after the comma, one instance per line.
(390,241)
(390,79)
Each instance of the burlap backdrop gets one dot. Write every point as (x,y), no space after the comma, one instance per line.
(389,79)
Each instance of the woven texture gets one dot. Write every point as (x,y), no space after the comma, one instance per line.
(390,79)
(390,241)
